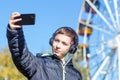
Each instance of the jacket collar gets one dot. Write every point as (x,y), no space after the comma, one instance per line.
(68,62)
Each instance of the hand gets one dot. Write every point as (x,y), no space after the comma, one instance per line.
(12,21)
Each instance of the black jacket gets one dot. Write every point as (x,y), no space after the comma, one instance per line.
(42,68)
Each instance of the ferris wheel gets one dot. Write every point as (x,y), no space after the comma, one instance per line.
(99,32)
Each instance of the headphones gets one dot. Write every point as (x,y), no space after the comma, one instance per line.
(73,47)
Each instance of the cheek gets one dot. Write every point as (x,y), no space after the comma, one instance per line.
(66,49)
(54,44)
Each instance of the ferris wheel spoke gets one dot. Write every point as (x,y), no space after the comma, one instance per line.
(115,63)
(81,11)
(95,65)
(116,13)
(99,70)
(110,13)
(105,61)
(98,28)
(109,69)
(118,54)
(114,67)
(100,14)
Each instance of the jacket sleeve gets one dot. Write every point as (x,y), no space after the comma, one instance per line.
(22,58)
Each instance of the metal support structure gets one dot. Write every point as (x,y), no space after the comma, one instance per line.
(116,13)
(98,28)
(100,68)
(110,13)
(118,54)
(100,14)
(108,66)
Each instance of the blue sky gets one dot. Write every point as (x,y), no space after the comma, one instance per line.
(50,15)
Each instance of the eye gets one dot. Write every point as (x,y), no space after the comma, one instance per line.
(64,43)
(56,40)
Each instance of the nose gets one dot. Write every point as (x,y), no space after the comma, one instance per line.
(58,45)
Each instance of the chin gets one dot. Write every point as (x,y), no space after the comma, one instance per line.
(57,54)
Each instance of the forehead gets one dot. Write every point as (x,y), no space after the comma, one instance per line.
(63,37)
(65,31)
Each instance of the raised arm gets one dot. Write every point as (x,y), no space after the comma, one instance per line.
(21,56)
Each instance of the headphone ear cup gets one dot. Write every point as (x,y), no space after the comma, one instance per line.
(73,48)
(51,41)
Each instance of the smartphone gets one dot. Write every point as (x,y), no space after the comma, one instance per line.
(27,19)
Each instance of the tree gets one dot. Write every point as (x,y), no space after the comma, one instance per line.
(8,71)
(77,60)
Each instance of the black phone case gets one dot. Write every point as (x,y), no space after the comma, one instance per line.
(27,19)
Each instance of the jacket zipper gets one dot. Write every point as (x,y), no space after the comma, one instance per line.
(63,68)
(64,71)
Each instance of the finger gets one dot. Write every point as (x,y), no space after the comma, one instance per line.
(17,20)
(15,14)
(14,21)
(15,27)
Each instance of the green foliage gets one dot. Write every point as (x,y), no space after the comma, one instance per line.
(77,60)
(8,70)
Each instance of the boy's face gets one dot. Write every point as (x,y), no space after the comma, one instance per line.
(61,45)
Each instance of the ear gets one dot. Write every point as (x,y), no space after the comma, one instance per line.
(51,41)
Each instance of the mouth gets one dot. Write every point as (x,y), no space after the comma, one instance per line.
(56,51)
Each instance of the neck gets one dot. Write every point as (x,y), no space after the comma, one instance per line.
(63,60)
